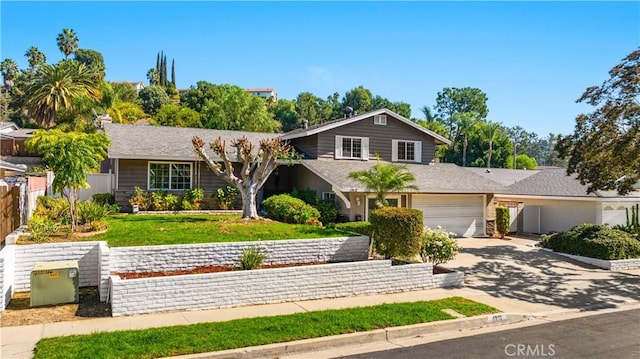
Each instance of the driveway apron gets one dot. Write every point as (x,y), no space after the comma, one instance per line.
(514,269)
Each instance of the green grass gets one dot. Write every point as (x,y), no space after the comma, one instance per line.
(207,337)
(144,230)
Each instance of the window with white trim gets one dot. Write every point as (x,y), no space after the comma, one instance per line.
(329,196)
(405,150)
(347,147)
(380,120)
(170,175)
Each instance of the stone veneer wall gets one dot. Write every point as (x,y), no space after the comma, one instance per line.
(618,264)
(178,257)
(215,290)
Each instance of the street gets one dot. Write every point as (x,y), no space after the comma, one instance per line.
(612,335)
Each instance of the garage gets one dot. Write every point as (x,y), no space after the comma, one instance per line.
(462,214)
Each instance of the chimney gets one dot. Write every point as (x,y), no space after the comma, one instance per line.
(305,123)
(348,112)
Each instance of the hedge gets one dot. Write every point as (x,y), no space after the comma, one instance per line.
(590,240)
(285,208)
(397,232)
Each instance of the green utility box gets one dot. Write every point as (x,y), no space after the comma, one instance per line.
(54,283)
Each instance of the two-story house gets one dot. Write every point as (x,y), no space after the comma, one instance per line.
(154,158)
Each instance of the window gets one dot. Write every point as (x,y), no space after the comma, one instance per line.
(169,175)
(352,148)
(380,120)
(329,196)
(409,151)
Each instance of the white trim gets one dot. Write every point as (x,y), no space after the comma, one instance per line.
(369,196)
(364,148)
(341,195)
(417,151)
(568,198)
(346,121)
(169,163)
(380,120)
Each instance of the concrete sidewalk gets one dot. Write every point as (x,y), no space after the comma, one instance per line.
(19,342)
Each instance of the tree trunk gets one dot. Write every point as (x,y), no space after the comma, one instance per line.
(249,207)
(73,209)
(490,153)
(464,151)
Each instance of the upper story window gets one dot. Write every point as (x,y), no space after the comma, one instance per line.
(169,175)
(352,148)
(404,150)
(380,120)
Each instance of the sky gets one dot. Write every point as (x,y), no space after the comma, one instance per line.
(532,59)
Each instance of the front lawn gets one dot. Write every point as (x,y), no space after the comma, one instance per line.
(144,230)
(207,337)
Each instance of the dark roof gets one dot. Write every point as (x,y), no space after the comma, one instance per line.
(433,178)
(311,130)
(167,143)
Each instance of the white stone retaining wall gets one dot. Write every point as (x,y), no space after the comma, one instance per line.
(453,279)
(618,264)
(179,257)
(215,290)
(7,262)
(86,253)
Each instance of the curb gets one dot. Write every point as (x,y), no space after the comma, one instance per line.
(387,334)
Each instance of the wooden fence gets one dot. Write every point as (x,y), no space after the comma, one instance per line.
(10,206)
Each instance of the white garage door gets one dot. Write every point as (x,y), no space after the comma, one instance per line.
(462,214)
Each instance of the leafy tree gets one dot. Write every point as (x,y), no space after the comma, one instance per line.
(284,111)
(522,162)
(54,88)
(196,97)
(67,42)
(109,97)
(92,59)
(604,149)
(308,107)
(35,58)
(466,122)
(180,116)
(257,165)
(154,77)
(383,178)
(127,112)
(124,92)
(451,101)
(234,109)
(152,98)
(71,156)
(359,99)
(9,70)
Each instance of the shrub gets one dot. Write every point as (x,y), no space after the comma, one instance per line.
(285,208)
(104,198)
(397,231)
(595,241)
(192,198)
(251,258)
(362,227)
(56,209)
(140,199)
(114,208)
(438,246)
(502,220)
(89,211)
(632,225)
(328,211)
(307,195)
(225,198)
(163,201)
(42,228)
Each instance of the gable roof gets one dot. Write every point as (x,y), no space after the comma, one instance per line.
(312,130)
(504,176)
(433,178)
(167,143)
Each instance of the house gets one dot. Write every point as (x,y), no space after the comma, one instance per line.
(265,93)
(544,201)
(155,157)
(12,139)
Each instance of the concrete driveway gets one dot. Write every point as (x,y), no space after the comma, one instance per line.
(513,269)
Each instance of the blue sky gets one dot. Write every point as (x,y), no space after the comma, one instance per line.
(532,59)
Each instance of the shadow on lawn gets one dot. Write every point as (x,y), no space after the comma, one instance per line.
(551,279)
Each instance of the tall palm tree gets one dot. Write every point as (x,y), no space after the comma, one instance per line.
(153,76)
(466,121)
(489,131)
(35,58)
(384,178)
(56,86)
(67,42)
(9,70)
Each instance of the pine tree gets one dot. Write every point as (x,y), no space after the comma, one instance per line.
(164,71)
(158,62)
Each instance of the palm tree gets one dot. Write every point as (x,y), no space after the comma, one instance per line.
(383,178)
(56,86)
(153,76)
(9,70)
(489,132)
(35,58)
(466,121)
(67,42)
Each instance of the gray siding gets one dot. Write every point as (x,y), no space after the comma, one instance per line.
(307,145)
(132,173)
(379,138)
